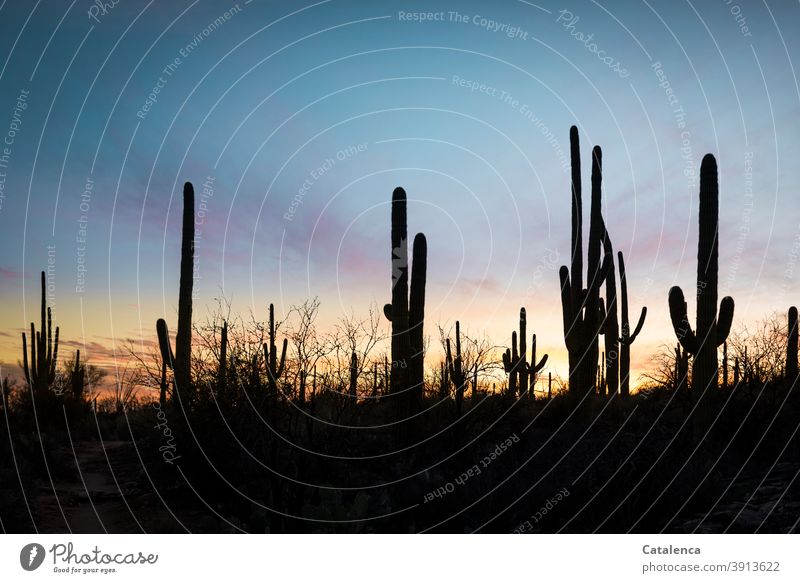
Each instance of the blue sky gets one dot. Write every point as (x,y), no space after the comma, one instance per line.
(470,113)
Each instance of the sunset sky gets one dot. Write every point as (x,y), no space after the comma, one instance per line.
(468,108)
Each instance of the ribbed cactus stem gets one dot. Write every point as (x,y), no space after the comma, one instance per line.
(522,367)
(183,338)
(611,322)
(416,316)
(167,358)
(791,345)
(397,311)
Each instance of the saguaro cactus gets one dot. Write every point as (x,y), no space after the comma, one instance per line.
(353,375)
(183,338)
(516,364)
(180,360)
(627,338)
(275,366)
(77,377)
(711,330)
(455,367)
(222,371)
(791,345)
(407,316)
(580,307)
(40,373)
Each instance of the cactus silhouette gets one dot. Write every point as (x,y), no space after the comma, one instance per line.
(455,367)
(353,375)
(40,372)
(610,329)
(791,345)
(627,338)
(725,365)
(711,330)
(77,377)
(407,316)
(275,366)
(222,371)
(167,358)
(180,360)
(581,307)
(515,363)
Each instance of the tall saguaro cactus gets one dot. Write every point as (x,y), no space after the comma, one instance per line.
(580,307)
(180,360)
(791,345)
(455,366)
(627,338)
(516,364)
(183,338)
(711,329)
(275,366)
(40,373)
(406,315)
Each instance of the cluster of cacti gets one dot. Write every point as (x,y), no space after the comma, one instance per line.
(275,366)
(180,360)
(455,367)
(711,329)
(791,345)
(40,371)
(520,372)
(627,338)
(406,314)
(580,306)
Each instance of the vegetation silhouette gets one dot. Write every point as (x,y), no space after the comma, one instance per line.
(234,430)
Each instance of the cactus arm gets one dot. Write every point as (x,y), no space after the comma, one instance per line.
(54,361)
(680,320)
(724,319)
(163,342)
(387,311)
(25,368)
(34,361)
(279,372)
(639,325)
(542,364)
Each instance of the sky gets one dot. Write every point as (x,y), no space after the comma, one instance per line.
(295,121)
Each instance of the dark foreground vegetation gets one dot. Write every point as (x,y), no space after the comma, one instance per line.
(269,426)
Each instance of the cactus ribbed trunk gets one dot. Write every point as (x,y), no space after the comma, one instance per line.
(353,389)
(791,345)
(611,324)
(705,366)
(183,339)
(399,306)
(416,319)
